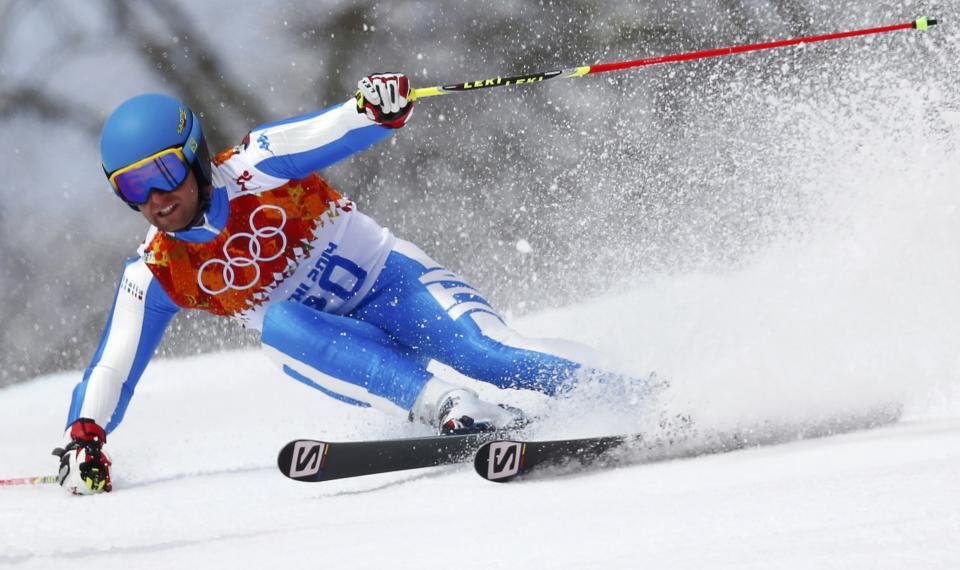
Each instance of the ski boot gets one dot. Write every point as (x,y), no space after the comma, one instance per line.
(463,412)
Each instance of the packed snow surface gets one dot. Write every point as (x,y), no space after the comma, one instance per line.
(196,483)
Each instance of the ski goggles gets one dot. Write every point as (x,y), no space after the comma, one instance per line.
(163,171)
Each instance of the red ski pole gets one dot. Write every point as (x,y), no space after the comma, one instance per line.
(922,24)
(44,480)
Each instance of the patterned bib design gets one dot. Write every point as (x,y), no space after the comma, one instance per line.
(266,238)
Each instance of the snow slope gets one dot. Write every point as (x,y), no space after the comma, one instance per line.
(834,327)
(855,316)
(196,486)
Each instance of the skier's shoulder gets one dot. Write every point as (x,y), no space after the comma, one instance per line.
(233,159)
(140,278)
(146,252)
(240,170)
(147,240)
(256,146)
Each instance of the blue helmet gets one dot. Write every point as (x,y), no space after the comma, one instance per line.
(148,124)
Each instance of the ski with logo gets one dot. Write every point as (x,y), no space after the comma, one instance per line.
(505,460)
(313,461)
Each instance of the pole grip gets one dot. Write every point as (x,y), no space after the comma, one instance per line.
(424,92)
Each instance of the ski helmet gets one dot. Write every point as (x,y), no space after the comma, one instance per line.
(133,144)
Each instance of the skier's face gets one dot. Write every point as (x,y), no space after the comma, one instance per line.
(175,210)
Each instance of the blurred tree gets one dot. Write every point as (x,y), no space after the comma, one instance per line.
(157,28)
(605,178)
(201,79)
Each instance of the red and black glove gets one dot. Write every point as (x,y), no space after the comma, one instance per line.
(384,97)
(84,467)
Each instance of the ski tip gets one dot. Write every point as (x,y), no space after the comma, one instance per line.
(303,459)
(500,461)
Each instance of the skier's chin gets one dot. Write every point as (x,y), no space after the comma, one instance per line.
(175,221)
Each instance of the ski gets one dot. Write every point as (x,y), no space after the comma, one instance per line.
(504,460)
(498,457)
(312,461)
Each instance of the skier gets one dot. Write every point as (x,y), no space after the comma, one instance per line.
(342,304)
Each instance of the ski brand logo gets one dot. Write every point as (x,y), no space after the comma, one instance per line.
(307,458)
(504,459)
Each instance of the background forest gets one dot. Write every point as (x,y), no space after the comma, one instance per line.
(541,196)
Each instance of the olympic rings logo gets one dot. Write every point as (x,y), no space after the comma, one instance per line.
(230,266)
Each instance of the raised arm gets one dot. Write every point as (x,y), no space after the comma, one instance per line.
(296,147)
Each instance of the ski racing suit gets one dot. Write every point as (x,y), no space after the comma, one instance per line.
(343,305)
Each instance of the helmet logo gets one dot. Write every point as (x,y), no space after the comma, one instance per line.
(183,121)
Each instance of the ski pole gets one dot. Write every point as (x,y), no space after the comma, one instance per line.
(922,24)
(43,480)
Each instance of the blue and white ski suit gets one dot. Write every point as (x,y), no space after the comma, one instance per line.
(343,305)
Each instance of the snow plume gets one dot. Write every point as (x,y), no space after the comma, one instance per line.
(796,257)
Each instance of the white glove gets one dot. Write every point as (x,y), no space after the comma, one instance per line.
(383,97)
(84,466)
